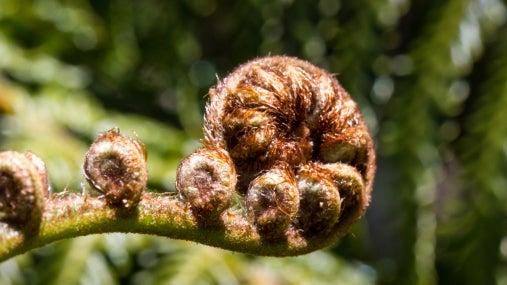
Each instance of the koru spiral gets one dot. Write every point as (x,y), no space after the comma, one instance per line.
(284,139)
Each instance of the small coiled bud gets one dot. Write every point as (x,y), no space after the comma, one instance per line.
(353,192)
(273,200)
(115,165)
(207,180)
(320,205)
(23,189)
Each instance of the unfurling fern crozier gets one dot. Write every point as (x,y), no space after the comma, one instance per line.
(283,135)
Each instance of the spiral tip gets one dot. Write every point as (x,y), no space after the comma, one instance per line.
(115,165)
(273,200)
(207,180)
(23,189)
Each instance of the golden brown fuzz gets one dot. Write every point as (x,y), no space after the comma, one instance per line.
(115,165)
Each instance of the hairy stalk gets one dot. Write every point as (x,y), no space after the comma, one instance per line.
(71,215)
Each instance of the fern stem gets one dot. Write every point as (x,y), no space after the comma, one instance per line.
(72,215)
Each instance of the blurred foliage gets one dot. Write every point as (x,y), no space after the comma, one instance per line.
(430,77)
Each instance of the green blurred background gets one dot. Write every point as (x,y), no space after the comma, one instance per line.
(430,77)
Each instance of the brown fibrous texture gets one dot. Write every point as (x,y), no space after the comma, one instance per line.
(296,142)
(115,165)
(23,189)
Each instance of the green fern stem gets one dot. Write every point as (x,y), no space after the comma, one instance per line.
(71,215)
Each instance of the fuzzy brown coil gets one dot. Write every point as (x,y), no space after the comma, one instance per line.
(294,140)
(115,165)
(23,189)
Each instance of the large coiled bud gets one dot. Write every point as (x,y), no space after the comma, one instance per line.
(302,154)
